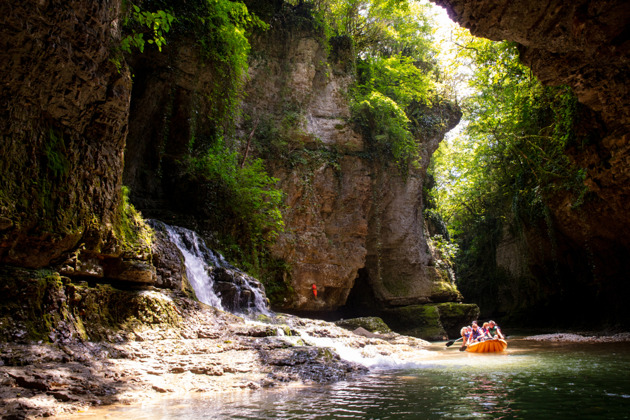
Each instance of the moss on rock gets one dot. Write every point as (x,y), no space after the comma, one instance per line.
(371,323)
(40,305)
(422,321)
(454,316)
(432,321)
(445,291)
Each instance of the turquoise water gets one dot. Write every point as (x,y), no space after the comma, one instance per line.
(529,381)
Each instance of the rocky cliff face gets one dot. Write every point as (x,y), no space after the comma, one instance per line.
(68,110)
(347,210)
(63,123)
(586,45)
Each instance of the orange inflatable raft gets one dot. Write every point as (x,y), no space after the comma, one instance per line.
(488,346)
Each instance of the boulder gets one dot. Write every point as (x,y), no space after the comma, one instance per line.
(433,322)
(370,323)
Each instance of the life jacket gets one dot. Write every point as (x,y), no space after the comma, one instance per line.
(476,333)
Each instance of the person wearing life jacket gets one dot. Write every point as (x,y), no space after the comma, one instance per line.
(314,290)
(476,334)
(465,332)
(495,331)
(486,331)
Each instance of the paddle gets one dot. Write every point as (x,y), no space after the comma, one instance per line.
(450,343)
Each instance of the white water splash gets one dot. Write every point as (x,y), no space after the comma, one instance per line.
(370,356)
(260,302)
(196,257)
(201,263)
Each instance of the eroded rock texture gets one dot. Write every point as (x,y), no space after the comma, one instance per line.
(63,122)
(586,45)
(347,208)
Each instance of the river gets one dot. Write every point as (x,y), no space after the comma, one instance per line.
(531,380)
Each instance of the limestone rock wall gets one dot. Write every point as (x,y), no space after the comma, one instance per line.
(341,200)
(63,122)
(346,209)
(402,266)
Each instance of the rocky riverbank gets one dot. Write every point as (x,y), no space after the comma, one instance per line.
(208,351)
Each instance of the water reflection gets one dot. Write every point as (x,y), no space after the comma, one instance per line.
(490,396)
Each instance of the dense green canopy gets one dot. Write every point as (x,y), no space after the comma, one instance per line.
(499,171)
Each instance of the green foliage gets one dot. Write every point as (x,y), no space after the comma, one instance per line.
(393,54)
(500,172)
(221,29)
(379,27)
(248,200)
(154,24)
(275,275)
(445,248)
(386,123)
(388,86)
(135,235)
(511,154)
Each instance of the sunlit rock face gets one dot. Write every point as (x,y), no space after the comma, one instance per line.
(63,122)
(586,45)
(328,189)
(347,209)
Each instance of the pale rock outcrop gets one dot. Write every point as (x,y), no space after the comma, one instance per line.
(345,209)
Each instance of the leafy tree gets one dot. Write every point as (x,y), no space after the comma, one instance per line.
(507,162)
(219,27)
(394,57)
(245,204)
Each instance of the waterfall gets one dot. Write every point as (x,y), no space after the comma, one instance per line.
(214,280)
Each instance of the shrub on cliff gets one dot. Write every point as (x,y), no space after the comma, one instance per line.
(394,60)
(220,29)
(245,204)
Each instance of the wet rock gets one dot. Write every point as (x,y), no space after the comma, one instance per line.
(64,377)
(365,333)
(454,315)
(168,262)
(160,389)
(207,370)
(30,382)
(259,331)
(235,289)
(293,356)
(62,396)
(313,364)
(133,271)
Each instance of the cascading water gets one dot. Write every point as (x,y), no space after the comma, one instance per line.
(219,284)
(215,281)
